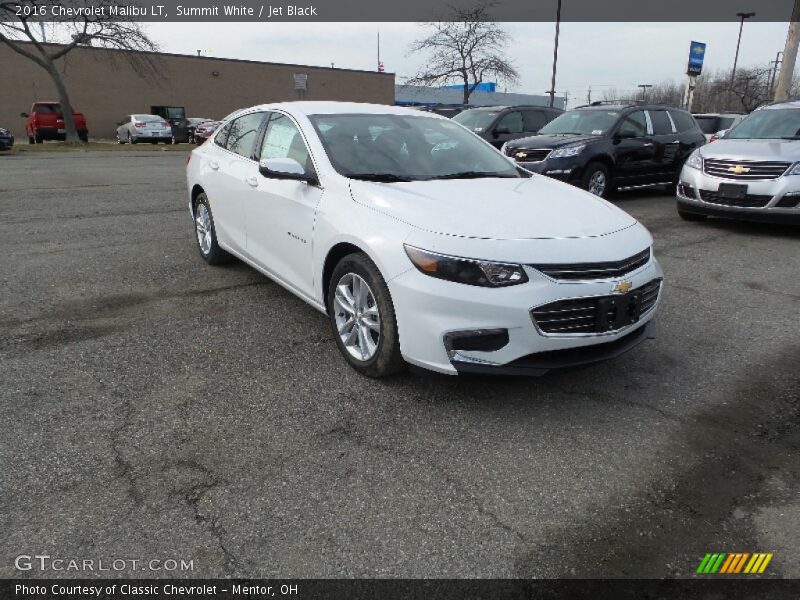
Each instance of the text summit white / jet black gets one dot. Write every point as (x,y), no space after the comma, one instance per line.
(422,243)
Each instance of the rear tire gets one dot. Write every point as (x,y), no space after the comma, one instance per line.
(131,139)
(596,179)
(206,233)
(690,216)
(31,139)
(362,317)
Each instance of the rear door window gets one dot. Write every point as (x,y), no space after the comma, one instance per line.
(534,120)
(661,122)
(242,134)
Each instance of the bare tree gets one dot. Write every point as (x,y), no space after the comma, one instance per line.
(95,29)
(467,48)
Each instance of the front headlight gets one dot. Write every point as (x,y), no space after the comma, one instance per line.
(568,151)
(466,270)
(695,161)
(795,170)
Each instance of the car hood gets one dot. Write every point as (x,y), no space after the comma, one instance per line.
(498,208)
(551,141)
(783,150)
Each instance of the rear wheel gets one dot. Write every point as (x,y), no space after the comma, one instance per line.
(31,139)
(131,139)
(690,216)
(597,179)
(206,234)
(363,319)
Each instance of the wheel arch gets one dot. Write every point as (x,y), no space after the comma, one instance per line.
(196,191)
(334,255)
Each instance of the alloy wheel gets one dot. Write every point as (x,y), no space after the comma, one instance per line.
(358,320)
(597,183)
(203,227)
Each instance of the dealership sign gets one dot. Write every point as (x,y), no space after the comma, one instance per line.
(697,52)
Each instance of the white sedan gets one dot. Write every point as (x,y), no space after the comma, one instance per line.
(421,242)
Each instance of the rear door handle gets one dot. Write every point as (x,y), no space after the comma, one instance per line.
(675,142)
(647,145)
(214,165)
(252,181)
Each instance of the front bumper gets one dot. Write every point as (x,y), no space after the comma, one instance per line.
(430,310)
(566,169)
(773,196)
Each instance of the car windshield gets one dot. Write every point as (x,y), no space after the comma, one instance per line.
(476,119)
(768,124)
(590,122)
(392,148)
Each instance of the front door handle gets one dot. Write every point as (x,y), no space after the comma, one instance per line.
(252,181)
(647,145)
(672,143)
(214,165)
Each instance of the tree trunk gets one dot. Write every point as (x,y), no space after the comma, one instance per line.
(66,105)
(466,92)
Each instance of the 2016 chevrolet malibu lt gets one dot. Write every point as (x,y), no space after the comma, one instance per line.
(421,242)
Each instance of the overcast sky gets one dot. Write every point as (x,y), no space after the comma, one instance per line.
(600,55)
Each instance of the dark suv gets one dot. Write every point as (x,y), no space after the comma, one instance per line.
(605,146)
(499,124)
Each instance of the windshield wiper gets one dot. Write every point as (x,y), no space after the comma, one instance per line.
(472,175)
(382,177)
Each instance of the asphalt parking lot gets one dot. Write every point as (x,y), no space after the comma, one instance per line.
(157,408)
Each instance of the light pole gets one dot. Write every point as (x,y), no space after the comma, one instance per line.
(742,16)
(644,87)
(552,91)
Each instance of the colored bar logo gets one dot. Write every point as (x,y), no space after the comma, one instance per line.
(734,562)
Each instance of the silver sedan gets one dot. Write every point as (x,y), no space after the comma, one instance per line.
(143,128)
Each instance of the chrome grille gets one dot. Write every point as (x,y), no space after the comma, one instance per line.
(744,170)
(524,155)
(597,314)
(602,270)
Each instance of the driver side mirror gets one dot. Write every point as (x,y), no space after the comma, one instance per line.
(501,131)
(24,115)
(286,168)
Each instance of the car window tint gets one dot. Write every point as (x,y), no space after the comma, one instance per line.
(683,121)
(533,120)
(284,140)
(222,137)
(512,122)
(634,122)
(661,124)
(242,134)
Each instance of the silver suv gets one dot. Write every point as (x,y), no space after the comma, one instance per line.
(752,172)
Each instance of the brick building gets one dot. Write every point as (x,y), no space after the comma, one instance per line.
(105,88)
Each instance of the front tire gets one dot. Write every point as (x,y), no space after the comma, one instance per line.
(206,233)
(363,319)
(596,179)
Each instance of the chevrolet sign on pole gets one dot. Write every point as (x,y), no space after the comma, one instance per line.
(697,52)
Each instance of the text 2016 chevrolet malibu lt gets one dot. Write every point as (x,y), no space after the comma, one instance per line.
(421,242)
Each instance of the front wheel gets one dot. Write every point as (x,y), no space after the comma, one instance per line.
(363,319)
(597,179)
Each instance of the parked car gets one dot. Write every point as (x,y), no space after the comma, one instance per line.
(143,128)
(203,131)
(752,172)
(45,121)
(499,124)
(183,130)
(421,242)
(713,123)
(602,146)
(6,139)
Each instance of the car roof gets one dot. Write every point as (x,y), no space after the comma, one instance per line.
(310,107)
(789,104)
(725,114)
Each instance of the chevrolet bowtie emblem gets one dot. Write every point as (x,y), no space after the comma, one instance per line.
(622,287)
(739,169)
(521,154)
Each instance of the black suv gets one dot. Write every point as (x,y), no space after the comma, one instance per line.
(606,146)
(499,124)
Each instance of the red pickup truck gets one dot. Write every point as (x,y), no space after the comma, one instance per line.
(46,122)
